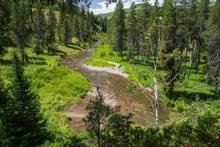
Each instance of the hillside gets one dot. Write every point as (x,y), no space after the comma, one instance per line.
(147,77)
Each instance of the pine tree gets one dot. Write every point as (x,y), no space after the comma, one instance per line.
(25,125)
(4,98)
(76,27)
(153,32)
(169,44)
(41,28)
(89,25)
(63,13)
(18,26)
(143,20)
(4,25)
(132,32)
(97,118)
(118,28)
(4,106)
(67,31)
(212,36)
(183,34)
(51,29)
(120,128)
(82,23)
(203,10)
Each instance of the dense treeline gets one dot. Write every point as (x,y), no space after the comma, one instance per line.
(182,37)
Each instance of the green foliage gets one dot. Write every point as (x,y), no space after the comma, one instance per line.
(168,45)
(118,28)
(40,28)
(207,129)
(24,124)
(201,130)
(51,29)
(19,28)
(180,105)
(132,32)
(120,130)
(4,25)
(212,36)
(47,81)
(96,120)
(4,98)
(67,31)
(76,27)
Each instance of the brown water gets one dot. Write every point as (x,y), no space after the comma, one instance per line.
(130,97)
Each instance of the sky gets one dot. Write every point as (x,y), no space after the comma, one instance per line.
(99,7)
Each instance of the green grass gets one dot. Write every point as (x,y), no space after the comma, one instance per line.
(195,87)
(99,63)
(57,87)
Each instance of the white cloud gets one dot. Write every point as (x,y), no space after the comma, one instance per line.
(101,8)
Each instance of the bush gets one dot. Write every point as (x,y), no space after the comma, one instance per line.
(180,105)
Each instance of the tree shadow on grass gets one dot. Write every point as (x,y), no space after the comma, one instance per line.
(5,62)
(144,63)
(37,60)
(194,95)
(75,47)
(55,51)
(37,63)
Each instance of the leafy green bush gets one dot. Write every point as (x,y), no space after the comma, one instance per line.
(180,105)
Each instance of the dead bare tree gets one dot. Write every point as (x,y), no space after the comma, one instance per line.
(154,40)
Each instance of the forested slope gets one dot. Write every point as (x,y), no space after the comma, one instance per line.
(171,51)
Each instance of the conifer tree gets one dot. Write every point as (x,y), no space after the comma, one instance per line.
(212,36)
(143,20)
(154,31)
(18,26)
(169,44)
(4,25)
(63,13)
(76,27)
(120,128)
(183,34)
(51,29)
(118,28)
(25,125)
(67,31)
(203,10)
(4,98)
(41,28)
(132,32)
(82,25)
(97,119)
